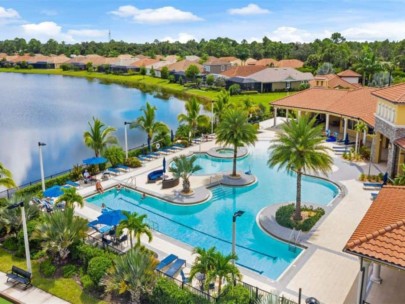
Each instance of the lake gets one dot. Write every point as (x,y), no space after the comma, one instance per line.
(56,110)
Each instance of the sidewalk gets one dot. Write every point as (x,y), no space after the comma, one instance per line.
(31,295)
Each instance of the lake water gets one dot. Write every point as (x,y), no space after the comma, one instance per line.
(56,110)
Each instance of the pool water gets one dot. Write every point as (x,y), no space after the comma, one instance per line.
(225,151)
(210,224)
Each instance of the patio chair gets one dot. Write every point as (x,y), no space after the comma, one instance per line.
(178,147)
(372,186)
(73,184)
(183,277)
(113,171)
(143,159)
(122,167)
(176,266)
(166,261)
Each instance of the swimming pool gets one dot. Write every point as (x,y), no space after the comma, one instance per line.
(210,224)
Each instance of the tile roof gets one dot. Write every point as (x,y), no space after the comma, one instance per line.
(358,103)
(400,142)
(228,59)
(381,233)
(250,61)
(348,73)
(181,66)
(334,82)
(267,62)
(395,93)
(243,71)
(280,75)
(144,62)
(290,63)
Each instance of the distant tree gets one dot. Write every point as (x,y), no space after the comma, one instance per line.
(234,89)
(367,64)
(142,70)
(210,80)
(337,38)
(171,79)
(325,68)
(381,79)
(152,72)
(89,66)
(164,73)
(192,71)
(6,178)
(220,82)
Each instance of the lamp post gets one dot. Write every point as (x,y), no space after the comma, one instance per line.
(126,138)
(41,164)
(26,244)
(212,117)
(235,215)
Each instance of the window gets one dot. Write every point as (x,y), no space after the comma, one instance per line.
(207,68)
(222,68)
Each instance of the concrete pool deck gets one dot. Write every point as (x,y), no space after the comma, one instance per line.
(322,270)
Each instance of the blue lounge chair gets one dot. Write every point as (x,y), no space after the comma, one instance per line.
(183,277)
(149,157)
(143,159)
(154,154)
(176,266)
(73,184)
(113,171)
(166,261)
(178,146)
(155,175)
(122,167)
(372,186)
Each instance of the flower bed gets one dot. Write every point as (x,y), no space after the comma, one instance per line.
(284,217)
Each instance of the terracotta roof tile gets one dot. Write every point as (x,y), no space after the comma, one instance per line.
(144,62)
(401,142)
(290,63)
(358,103)
(395,93)
(243,71)
(250,61)
(267,62)
(381,233)
(334,82)
(181,66)
(348,73)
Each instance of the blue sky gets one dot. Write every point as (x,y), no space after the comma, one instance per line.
(144,21)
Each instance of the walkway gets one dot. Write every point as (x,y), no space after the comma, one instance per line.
(32,295)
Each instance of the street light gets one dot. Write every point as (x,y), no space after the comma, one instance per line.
(235,215)
(126,139)
(24,222)
(41,164)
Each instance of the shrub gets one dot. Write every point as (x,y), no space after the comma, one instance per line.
(284,217)
(181,81)
(69,271)
(11,243)
(36,189)
(39,255)
(250,92)
(133,162)
(98,267)
(87,282)
(164,73)
(171,78)
(210,80)
(85,253)
(234,89)
(235,295)
(142,70)
(47,268)
(115,155)
(365,152)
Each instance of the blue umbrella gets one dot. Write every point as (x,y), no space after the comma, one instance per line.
(111,218)
(164,164)
(54,191)
(171,136)
(95,161)
(385,178)
(347,139)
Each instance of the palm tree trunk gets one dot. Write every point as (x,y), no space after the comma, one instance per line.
(297,214)
(235,154)
(219,285)
(130,238)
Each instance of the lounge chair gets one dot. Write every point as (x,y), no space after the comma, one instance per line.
(178,147)
(163,151)
(155,175)
(176,266)
(113,171)
(183,277)
(372,186)
(122,168)
(149,157)
(166,261)
(154,154)
(143,159)
(73,184)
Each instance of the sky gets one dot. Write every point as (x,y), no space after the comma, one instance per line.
(182,20)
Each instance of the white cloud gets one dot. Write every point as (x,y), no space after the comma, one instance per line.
(250,9)
(393,30)
(48,12)
(183,38)
(88,33)
(46,28)
(166,14)
(289,34)
(8,13)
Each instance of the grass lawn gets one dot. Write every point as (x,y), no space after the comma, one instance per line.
(146,82)
(66,289)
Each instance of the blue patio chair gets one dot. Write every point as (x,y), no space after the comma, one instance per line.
(122,167)
(143,159)
(73,184)
(166,261)
(183,277)
(176,266)
(113,171)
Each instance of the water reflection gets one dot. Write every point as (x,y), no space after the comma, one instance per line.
(56,109)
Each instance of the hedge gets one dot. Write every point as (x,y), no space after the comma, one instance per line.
(284,217)
(36,189)
(235,295)
(98,267)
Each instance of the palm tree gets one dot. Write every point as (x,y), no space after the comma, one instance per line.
(184,167)
(134,222)
(224,269)
(400,179)
(193,118)
(133,272)
(367,64)
(203,262)
(235,130)
(99,136)
(6,178)
(70,196)
(59,230)
(360,127)
(299,148)
(221,104)
(148,123)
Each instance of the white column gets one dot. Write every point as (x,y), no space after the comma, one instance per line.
(26,243)
(364,137)
(126,140)
(275,117)
(345,121)
(375,275)
(286,114)
(299,113)
(327,122)
(41,165)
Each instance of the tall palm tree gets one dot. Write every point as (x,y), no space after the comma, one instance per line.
(148,123)
(224,269)
(367,65)
(70,196)
(193,118)
(203,262)
(184,167)
(6,177)
(360,127)
(133,272)
(59,230)
(221,104)
(134,222)
(99,136)
(235,130)
(299,148)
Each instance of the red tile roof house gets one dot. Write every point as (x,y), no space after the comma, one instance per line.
(379,240)
(290,63)
(232,60)
(179,68)
(216,66)
(332,81)
(350,76)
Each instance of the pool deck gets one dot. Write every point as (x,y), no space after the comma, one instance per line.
(322,270)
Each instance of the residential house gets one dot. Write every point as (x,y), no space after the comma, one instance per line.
(144,62)
(193,58)
(332,81)
(350,76)
(290,63)
(269,62)
(232,60)
(250,61)
(157,67)
(216,66)
(179,68)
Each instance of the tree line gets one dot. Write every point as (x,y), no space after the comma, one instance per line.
(342,54)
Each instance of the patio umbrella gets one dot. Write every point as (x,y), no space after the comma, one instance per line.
(54,191)
(164,164)
(385,178)
(171,136)
(347,139)
(94,161)
(111,218)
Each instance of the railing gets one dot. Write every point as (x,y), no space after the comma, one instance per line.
(95,241)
